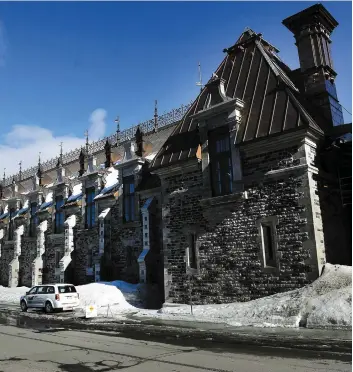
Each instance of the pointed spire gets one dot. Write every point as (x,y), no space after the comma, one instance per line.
(199,83)
(60,160)
(39,171)
(4,177)
(155,116)
(108,156)
(87,143)
(117,121)
(139,141)
(82,162)
(20,173)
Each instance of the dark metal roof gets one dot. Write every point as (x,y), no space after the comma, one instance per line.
(253,73)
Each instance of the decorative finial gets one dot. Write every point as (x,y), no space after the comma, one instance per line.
(20,173)
(39,159)
(199,83)
(86,135)
(117,121)
(60,160)
(155,116)
(4,175)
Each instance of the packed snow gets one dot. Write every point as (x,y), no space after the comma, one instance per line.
(326,303)
(108,299)
(12,295)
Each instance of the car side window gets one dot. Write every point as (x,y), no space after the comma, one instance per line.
(33,290)
(42,290)
(51,290)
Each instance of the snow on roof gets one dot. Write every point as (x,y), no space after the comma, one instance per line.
(104,213)
(112,177)
(142,256)
(147,204)
(111,182)
(151,156)
(76,193)
(49,197)
(4,215)
(46,205)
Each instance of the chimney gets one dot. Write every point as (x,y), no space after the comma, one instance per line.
(312,29)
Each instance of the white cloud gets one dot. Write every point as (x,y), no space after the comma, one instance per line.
(24,142)
(3,43)
(97,128)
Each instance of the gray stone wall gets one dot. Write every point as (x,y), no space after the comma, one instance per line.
(85,239)
(229,246)
(54,242)
(28,254)
(126,245)
(7,256)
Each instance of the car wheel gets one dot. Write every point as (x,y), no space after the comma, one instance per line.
(24,306)
(48,307)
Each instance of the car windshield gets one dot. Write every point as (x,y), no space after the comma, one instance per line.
(67,289)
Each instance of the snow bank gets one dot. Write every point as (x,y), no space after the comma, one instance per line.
(100,294)
(103,296)
(131,292)
(326,303)
(12,295)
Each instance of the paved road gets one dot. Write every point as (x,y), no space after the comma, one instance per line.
(30,350)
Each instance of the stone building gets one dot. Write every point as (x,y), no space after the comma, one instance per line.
(244,193)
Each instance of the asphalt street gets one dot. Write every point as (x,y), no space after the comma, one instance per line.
(55,349)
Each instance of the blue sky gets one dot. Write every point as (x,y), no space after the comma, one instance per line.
(59,62)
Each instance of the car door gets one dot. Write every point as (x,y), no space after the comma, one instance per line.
(41,296)
(31,296)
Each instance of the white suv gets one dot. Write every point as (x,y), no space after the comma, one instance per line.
(51,297)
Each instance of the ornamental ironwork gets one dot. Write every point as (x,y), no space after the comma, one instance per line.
(147,127)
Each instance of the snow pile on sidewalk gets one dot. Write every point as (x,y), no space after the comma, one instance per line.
(12,295)
(327,302)
(106,296)
(131,292)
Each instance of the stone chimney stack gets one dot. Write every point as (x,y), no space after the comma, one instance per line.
(312,29)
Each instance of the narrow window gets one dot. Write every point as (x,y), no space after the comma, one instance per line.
(90,208)
(268,245)
(33,219)
(129,199)
(57,259)
(11,225)
(192,252)
(59,215)
(220,161)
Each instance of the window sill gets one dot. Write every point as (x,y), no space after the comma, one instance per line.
(224,199)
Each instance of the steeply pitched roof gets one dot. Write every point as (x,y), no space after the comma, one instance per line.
(252,72)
